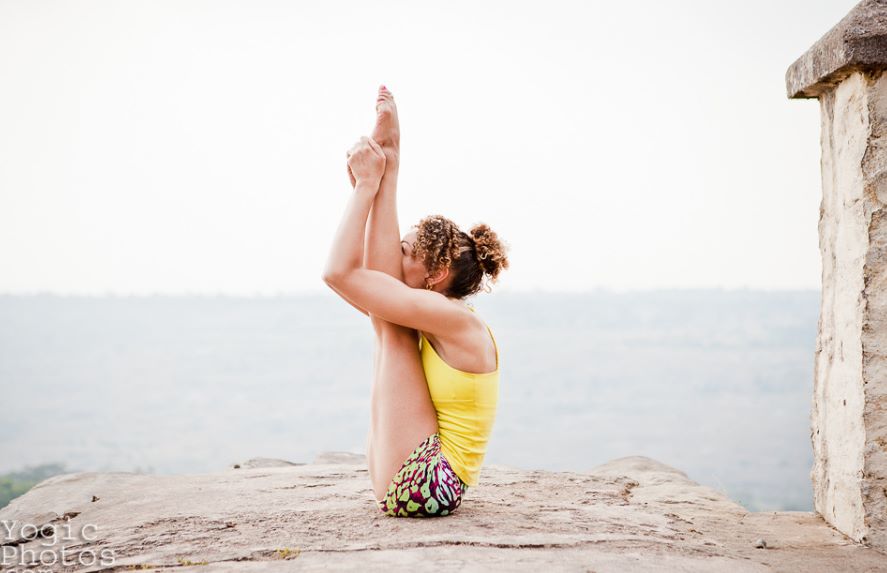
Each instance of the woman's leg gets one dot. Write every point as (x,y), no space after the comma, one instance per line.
(382,250)
(402,414)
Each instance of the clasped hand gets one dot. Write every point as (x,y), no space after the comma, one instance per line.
(366,162)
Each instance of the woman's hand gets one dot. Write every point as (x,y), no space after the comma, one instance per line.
(366,162)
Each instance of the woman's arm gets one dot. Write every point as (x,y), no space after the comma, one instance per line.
(381,294)
(382,240)
(366,163)
(346,255)
(389,299)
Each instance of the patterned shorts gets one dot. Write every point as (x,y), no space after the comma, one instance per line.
(425,486)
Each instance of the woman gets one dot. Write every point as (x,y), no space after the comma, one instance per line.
(436,364)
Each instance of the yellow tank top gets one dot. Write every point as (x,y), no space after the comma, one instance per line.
(466,408)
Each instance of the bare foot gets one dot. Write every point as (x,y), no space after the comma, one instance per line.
(387,130)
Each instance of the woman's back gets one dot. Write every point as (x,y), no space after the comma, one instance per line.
(466,408)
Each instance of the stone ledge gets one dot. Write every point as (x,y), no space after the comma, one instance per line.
(630,514)
(857,42)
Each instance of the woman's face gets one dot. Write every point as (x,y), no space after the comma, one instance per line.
(413,269)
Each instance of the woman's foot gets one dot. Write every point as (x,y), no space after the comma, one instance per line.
(387,130)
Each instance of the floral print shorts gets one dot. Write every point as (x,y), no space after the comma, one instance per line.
(425,486)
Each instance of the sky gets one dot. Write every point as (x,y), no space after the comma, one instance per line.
(185,147)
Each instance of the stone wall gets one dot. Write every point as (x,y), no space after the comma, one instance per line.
(845,70)
(839,432)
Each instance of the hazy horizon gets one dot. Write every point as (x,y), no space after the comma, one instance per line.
(716,384)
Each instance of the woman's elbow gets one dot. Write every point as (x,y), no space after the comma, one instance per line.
(334,277)
(330,277)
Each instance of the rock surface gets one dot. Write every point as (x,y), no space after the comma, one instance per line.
(631,514)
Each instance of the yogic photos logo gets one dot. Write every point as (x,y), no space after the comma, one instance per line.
(31,548)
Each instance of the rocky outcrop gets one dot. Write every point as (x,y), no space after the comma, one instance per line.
(631,514)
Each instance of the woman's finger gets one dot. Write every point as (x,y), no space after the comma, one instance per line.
(375,146)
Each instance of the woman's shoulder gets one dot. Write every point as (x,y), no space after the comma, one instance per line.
(472,324)
(459,349)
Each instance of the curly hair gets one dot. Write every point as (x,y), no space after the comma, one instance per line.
(471,257)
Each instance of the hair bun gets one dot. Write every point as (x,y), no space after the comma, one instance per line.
(491,253)
(475,258)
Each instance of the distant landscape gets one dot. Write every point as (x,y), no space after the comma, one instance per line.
(715,383)
(15,484)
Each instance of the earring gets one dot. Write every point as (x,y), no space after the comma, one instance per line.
(428,286)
